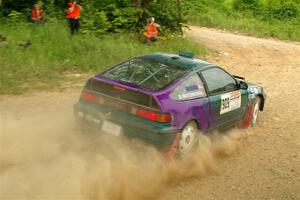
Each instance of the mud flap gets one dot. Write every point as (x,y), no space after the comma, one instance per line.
(248,118)
(171,152)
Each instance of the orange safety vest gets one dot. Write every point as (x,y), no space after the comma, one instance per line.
(75,13)
(152,30)
(36,14)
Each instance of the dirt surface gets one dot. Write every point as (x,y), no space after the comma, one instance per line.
(43,156)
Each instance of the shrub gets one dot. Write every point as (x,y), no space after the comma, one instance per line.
(244,5)
(282,10)
(108,15)
(15,17)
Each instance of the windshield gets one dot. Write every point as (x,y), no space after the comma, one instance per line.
(148,74)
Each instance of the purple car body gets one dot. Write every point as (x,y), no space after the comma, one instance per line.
(160,115)
(181,111)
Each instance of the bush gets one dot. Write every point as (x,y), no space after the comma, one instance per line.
(166,13)
(15,17)
(270,9)
(119,16)
(244,5)
(275,18)
(125,18)
(282,10)
(107,15)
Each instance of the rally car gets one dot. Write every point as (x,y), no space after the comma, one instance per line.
(167,100)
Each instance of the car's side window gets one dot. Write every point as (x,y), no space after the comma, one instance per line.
(191,88)
(217,81)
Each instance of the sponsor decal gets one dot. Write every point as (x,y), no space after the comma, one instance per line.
(230,101)
(191,88)
(189,95)
(192,91)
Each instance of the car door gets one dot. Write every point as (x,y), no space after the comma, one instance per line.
(227,101)
(193,102)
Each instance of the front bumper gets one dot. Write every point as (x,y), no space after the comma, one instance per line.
(92,117)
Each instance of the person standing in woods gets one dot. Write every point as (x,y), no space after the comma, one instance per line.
(73,14)
(37,14)
(151,30)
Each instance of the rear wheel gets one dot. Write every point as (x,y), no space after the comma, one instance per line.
(188,138)
(255,113)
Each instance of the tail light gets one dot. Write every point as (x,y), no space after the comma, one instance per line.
(144,113)
(89,96)
(154,116)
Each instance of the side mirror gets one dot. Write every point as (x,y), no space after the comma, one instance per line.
(243,85)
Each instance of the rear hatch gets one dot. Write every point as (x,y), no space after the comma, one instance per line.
(118,98)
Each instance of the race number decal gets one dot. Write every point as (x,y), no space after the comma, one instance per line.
(230,101)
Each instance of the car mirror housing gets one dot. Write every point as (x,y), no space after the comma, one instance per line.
(243,85)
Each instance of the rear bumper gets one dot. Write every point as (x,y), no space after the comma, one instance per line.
(92,116)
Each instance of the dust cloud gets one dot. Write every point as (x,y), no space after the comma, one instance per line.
(43,155)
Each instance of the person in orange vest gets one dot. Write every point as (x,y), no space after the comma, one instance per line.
(151,30)
(37,14)
(73,14)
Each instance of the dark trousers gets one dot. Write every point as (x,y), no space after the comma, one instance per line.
(74,25)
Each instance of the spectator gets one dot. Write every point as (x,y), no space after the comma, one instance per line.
(37,14)
(73,14)
(151,30)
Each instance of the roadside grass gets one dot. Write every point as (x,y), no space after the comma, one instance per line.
(53,54)
(222,16)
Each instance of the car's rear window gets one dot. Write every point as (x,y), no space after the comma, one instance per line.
(148,74)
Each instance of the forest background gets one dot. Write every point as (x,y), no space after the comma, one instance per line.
(45,56)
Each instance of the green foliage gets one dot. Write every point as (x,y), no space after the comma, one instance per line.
(16,5)
(275,18)
(245,5)
(166,13)
(281,10)
(110,18)
(94,20)
(54,56)
(125,18)
(15,17)
(119,16)
(270,9)
(131,15)
(108,15)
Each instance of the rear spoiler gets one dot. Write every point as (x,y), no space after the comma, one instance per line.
(239,77)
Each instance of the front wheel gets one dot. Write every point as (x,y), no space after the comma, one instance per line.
(255,112)
(188,138)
